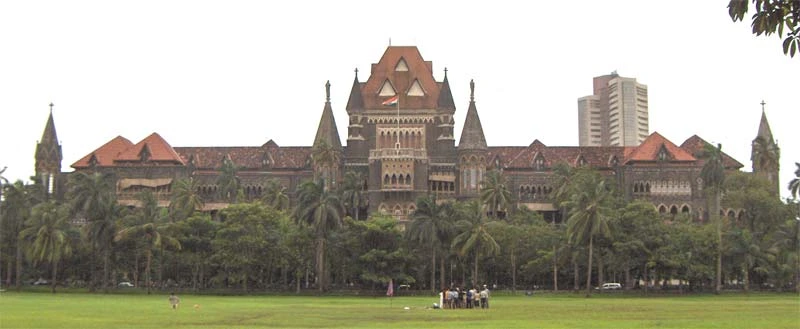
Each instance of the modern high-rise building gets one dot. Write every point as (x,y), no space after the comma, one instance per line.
(615,115)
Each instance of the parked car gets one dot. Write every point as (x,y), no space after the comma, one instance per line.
(41,282)
(125,285)
(611,286)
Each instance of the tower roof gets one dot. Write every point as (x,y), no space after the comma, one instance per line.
(401,71)
(445,96)
(104,155)
(48,150)
(356,101)
(764,132)
(472,135)
(651,147)
(327,124)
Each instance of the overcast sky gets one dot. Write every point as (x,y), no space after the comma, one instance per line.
(239,73)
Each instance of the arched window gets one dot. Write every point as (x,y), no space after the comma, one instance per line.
(662,209)
(673,210)
(408,179)
(685,209)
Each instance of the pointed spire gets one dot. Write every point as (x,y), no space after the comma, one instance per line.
(763,128)
(472,136)
(445,96)
(355,102)
(327,125)
(328,91)
(48,150)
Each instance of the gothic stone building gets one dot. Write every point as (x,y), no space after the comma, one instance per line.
(400,138)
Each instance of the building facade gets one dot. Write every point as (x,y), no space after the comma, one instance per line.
(400,145)
(615,114)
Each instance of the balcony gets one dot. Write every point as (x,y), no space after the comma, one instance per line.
(397,154)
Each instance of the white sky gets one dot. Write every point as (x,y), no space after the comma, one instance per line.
(238,73)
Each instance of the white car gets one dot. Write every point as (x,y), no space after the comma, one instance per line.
(611,286)
(125,285)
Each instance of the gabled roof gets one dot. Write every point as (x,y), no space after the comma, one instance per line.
(696,146)
(248,157)
(105,154)
(648,151)
(159,151)
(418,69)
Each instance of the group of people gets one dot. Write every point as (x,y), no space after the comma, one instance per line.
(453,298)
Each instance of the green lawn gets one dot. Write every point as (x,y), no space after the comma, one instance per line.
(79,310)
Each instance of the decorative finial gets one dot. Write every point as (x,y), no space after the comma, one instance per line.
(51,107)
(445,72)
(356,73)
(328,91)
(390,42)
(471,90)
(762,105)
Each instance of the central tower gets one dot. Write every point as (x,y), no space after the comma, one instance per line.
(400,132)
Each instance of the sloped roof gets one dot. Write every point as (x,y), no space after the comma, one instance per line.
(763,129)
(160,150)
(696,146)
(248,157)
(522,157)
(472,136)
(105,154)
(648,150)
(327,130)
(356,101)
(445,100)
(418,69)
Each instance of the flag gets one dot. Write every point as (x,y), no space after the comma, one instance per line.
(391,101)
(390,290)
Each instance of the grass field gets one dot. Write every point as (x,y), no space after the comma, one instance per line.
(80,310)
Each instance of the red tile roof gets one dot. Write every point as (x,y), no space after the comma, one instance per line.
(696,146)
(248,157)
(160,151)
(105,155)
(648,150)
(522,157)
(418,69)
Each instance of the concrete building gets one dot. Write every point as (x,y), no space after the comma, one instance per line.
(615,114)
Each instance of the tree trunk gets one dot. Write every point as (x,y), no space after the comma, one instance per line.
(718,285)
(576,284)
(147,270)
(628,281)
(600,276)
(555,269)
(513,273)
(646,279)
(18,279)
(441,273)
(53,280)
(475,272)
(589,269)
(106,257)
(746,274)
(320,264)
(433,270)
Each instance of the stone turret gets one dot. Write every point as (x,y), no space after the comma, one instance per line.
(327,154)
(471,150)
(48,157)
(765,154)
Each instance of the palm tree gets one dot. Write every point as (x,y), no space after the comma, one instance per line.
(152,226)
(322,211)
(495,193)
(275,195)
(47,232)
(794,184)
(92,195)
(16,210)
(589,212)
(713,175)
(228,181)
(185,199)
(474,235)
(432,225)
(353,192)
(326,158)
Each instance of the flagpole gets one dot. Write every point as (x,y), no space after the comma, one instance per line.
(397,146)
